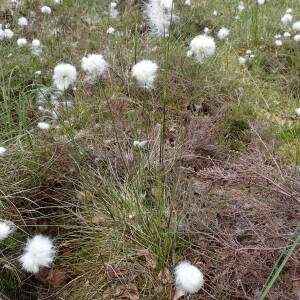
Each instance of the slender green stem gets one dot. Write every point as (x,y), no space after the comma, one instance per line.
(280,268)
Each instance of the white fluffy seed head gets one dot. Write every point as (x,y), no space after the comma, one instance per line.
(113,5)
(296,26)
(35,44)
(43,125)
(261,2)
(94,64)
(187,2)
(242,60)
(297,38)
(5,230)
(110,30)
(188,278)
(165,4)
(289,11)
(113,11)
(202,46)
(39,252)
(2,151)
(22,21)
(58,1)
(64,75)
(223,33)
(22,42)
(278,43)
(140,144)
(297,110)
(241,6)
(206,30)
(145,73)
(286,34)
(8,33)
(159,14)
(287,18)
(46,10)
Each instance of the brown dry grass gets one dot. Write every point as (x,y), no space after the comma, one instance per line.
(247,219)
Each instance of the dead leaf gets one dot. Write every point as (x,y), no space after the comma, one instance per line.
(51,277)
(178,294)
(127,291)
(165,276)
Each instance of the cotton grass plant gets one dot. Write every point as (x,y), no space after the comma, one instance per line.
(202,46)
(6,228)
(64,75)
(188,279)
(94,65)
(145,73)
(159,14)
(2,151)
(148,227)
(91,147)
(39,252)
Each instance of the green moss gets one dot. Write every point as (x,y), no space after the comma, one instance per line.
(12,243)
(236,124)
(8,285)
(289,134)
(237,128)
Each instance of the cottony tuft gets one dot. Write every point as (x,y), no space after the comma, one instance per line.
(39,252)
(145,73)
(202,46)
(64,75)
(188,278)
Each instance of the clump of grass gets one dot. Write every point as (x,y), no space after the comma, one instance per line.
(236,126)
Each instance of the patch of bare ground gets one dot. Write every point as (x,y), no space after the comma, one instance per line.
(245,219)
